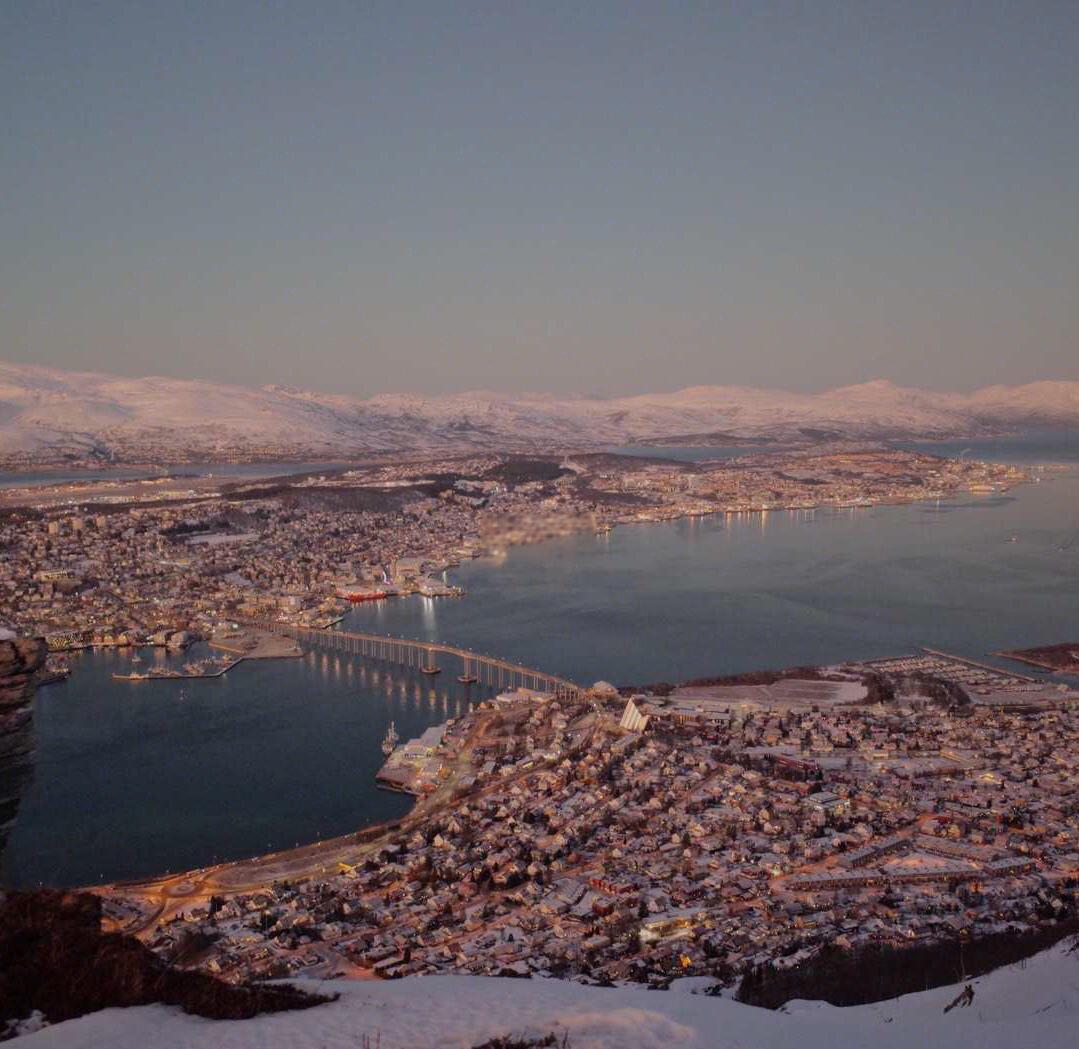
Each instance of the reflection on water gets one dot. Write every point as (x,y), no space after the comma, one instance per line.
(136,778)
(722,594)
(16,772)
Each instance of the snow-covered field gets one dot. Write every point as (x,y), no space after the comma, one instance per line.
(43,409)
(1032,1005)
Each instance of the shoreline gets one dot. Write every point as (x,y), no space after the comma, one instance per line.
(14,465)
(687,514)
(204,881)
(344,840)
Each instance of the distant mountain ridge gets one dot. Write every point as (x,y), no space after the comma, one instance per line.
(49,415)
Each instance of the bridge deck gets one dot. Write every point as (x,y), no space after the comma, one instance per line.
(407,653)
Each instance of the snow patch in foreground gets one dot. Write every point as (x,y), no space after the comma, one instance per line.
(1028,1004)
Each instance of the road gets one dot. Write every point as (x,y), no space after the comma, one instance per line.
(169,896)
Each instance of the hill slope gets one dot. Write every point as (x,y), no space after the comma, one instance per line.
(47,415)
(1032,1004)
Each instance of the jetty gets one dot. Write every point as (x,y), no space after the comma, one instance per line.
(169,674)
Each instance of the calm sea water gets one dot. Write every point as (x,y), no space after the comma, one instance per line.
(1034,446)
(39,478)
(133,779)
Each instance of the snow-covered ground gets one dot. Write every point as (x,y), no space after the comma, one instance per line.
(43,409)
(1032,1005)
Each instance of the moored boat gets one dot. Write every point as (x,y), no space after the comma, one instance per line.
(390,740)
(357,594)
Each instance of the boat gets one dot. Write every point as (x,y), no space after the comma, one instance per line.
(357,594)
(390,741)
(467,679)
(54,671)
(430,668)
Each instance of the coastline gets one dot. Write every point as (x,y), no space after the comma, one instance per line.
(345,841)
(582,525)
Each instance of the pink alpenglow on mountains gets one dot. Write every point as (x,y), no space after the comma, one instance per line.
(47,415)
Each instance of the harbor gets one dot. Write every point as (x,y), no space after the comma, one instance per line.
(713,596)
(212,667)
(239,644)
(413,767)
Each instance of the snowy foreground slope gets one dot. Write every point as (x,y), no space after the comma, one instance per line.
(47,412)
(1033,1004)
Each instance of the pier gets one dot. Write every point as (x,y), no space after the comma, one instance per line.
(978,666)
(156,674)
(487,670)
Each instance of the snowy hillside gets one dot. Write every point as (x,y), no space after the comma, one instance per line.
(49,413)
(1031,1004)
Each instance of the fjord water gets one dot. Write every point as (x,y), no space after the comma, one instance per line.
(239,471)
(135,779)
(722,594)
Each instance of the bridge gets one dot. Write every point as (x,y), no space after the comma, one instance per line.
(485,670)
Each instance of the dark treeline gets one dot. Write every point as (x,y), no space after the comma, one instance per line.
(522,471)
(758,677)
(879,971)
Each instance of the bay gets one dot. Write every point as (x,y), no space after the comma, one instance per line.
(131,780)
(239,471)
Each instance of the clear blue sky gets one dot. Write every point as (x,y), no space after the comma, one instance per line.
(585,197)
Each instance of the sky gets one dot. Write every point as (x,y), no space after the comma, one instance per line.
(603,198)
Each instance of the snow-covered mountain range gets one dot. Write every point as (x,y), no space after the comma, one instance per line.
(47,415)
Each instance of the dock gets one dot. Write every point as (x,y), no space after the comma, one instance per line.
(257,645)
(979,666)
(178,675)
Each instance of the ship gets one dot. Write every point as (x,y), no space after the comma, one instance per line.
(390,741)
(467,679)
(356,594)
(54,671)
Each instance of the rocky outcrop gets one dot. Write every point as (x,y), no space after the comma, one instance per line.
(19,659)
(57,963)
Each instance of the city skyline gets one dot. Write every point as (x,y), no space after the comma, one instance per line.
(604,202)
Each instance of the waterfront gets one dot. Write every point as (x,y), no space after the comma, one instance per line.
(721,594)
(136,778)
